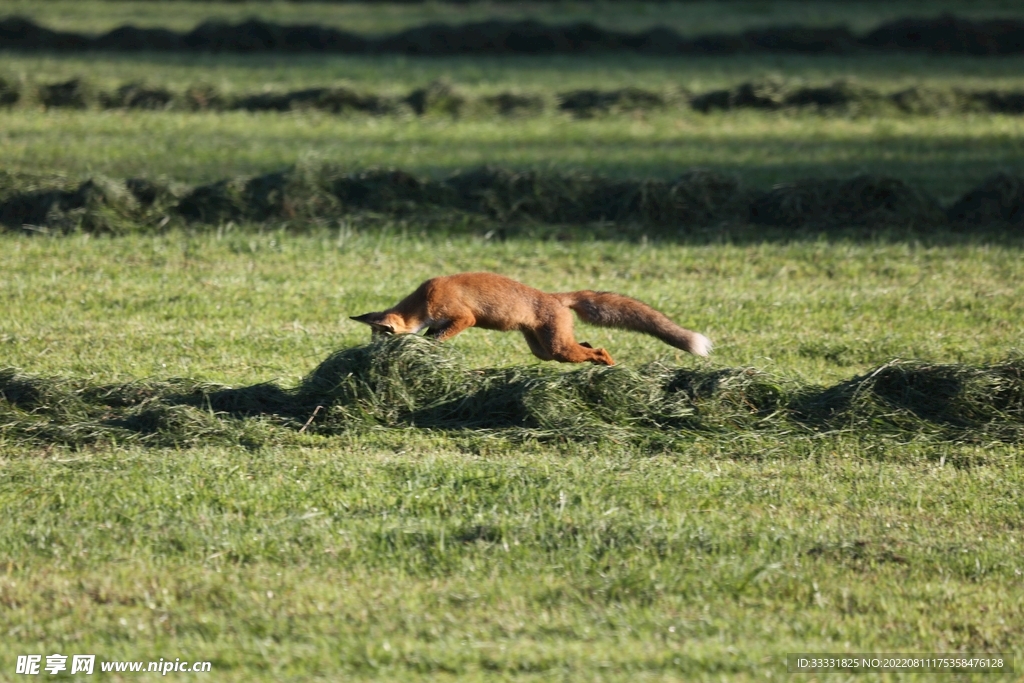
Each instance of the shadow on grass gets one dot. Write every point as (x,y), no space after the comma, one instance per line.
(944,35)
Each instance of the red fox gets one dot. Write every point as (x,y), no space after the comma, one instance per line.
(450,304)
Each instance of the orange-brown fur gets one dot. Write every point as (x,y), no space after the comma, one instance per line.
(447,305)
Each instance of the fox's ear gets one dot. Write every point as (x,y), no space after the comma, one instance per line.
(372,319)
(367,318)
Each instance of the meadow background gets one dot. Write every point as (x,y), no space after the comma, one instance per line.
(366,548)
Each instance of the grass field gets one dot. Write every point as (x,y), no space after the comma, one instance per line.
(594,546)
(946,157)
(410,553)
(247,307)
(945,154)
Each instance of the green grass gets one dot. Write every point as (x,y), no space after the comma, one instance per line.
(374,550)
(245,307)
(401,557)
(945,156)
(377,554)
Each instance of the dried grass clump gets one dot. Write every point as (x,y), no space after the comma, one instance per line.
(953,401)
(72,94)
(300,192)
(596,404)
(751,95)
(862,200)
(310,193)
(204,97)
(999,200)
(99,205)
(922,101)
(772,95)
(698,197)
(999,101)
(588,103)
(386,382)
(411,381)
(47,410)
(333,100)
(442,98)
(388,190)
(514,104)
(438,98)
(10,93)
(137,96)
(848,97)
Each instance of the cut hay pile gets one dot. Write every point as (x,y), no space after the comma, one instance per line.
(774,95)
(73,94)
(848,97)
(696,198)
(441,98)
(10,93)
(305,194)
(955,402)
(137,96)
(415,382)
(98,205)
(862,200)
(587,103)
(999,199)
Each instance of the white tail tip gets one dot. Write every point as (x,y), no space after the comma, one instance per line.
(701,345)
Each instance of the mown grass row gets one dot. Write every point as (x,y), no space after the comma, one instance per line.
(441,97)
(309,193)
(413,382)
(947,156)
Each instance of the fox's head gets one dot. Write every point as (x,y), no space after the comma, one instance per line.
(382,322)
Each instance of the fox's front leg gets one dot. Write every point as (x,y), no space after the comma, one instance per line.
(449,329)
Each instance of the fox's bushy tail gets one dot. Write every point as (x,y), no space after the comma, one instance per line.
(608,309)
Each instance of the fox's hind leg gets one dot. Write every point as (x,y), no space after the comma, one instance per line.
(536,347)
(557,336)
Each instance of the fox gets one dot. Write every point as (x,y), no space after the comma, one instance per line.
(450,304)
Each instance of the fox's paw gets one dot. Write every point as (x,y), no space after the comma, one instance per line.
(586,345)
(601,357)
